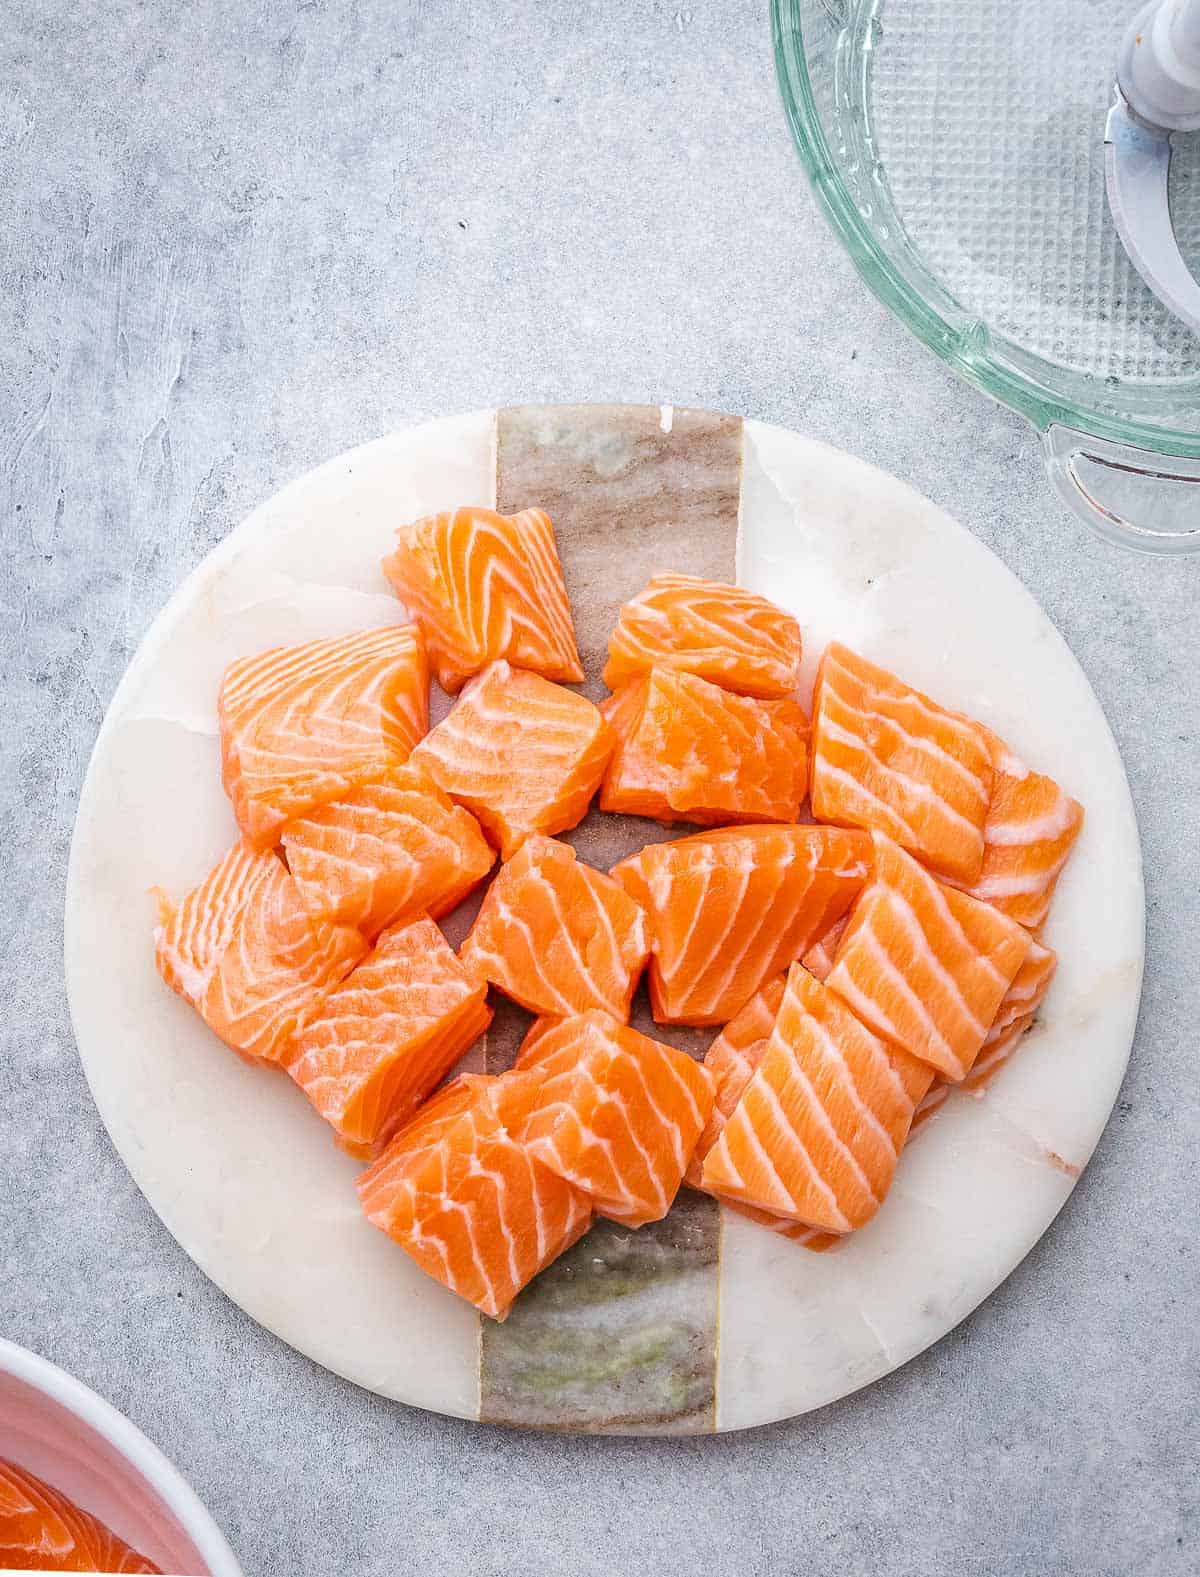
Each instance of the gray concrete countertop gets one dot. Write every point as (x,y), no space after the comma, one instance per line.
(242,237)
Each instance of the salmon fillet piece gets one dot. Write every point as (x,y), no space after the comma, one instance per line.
(557,936)
(820,1125)
(388,1034)
(730,908)
(807,1237)
(483,586)
(301,725)
(731,1060)
(924,965)
(721,633)
(244,950)
(387,852)
(917,1076)
(467,1201)
(887,758)
(1029,986)
(686,750)
(42,1530)
(1015,1014)
(523,755)
(1031,828)
(616,1114)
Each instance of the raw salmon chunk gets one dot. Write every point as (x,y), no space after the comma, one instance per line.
(686,750)
(730,1061)
(386,852)
(522,754)
(557,936)
(721,633)
(41,1530)
(887,758)
(468,1201)
(482,586)
(807,1237)
(925,966)
(1014,1015)
(1020,1001)
(388,1034)
(301,725)
(1030,831)
(729,909)
(921,1085)
(819,1127)
(244,950)
(617,1114)
(997,1049)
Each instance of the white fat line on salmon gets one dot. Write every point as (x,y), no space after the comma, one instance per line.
(1038,829)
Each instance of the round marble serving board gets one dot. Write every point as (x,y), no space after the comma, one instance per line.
(705,1321)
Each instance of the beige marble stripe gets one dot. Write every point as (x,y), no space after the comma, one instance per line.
(619,1335)
(632,490)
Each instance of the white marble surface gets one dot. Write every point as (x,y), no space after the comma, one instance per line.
(253,258)
(232,1157)
(241,1170)
(859,557)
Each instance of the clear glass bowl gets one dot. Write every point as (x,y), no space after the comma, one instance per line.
(956,146)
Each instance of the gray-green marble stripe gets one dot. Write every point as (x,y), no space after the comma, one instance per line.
(619,1334)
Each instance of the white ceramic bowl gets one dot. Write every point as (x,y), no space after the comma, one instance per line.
(55,1427)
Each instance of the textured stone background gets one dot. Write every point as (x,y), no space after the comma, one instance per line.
(239,237)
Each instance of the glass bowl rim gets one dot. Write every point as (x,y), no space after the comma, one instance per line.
(961,346)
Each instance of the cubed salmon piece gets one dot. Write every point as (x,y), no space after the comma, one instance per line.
(483,586)
(617,1114)
(887,758)
(925,966)
(686,750)
(302,725)
(468,1201)
(523,755)
(244,950)
(722,633)
(821,1122)
(388,1034)
(387,852)
(730,908)
(557,936)
(1031,827)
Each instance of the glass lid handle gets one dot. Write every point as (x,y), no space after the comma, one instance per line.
(1133,497)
